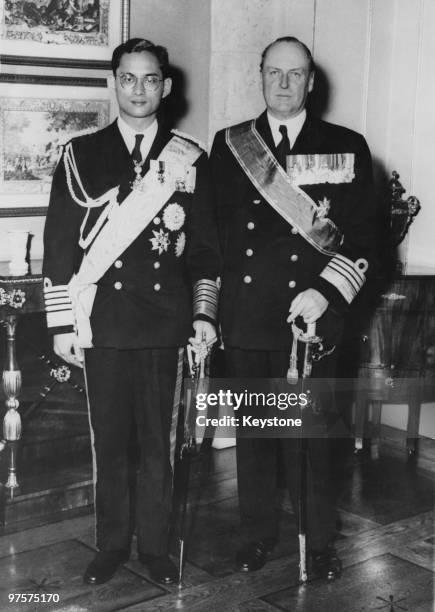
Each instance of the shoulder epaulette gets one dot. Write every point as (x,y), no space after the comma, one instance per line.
(190,138)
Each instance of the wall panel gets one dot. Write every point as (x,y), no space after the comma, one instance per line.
(379,71)
(240,30)
(421,250)
(183,26)
(340,49)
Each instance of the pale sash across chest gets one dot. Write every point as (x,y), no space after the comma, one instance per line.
(124,224)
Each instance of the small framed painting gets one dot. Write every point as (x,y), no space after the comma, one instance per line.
(37,116)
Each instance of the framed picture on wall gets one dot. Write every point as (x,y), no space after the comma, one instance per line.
(68,31)
(37,116)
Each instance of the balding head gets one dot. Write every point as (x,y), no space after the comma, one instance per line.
(291,40)
(287,77)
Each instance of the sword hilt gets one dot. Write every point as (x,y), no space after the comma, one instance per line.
(311,329)
(309,338)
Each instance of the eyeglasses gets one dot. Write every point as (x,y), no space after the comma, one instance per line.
(275,74)
(129,81)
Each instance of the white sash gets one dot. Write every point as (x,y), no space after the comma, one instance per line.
(124,224)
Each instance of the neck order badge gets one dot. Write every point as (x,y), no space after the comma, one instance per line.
(137,159)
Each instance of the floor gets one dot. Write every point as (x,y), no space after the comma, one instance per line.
(386,531)
(386,542)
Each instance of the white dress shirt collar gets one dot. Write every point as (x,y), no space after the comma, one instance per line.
(128,134)
(293,125)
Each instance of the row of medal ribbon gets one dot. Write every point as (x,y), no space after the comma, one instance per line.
(321,168)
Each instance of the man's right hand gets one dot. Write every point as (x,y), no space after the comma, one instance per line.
(67,347)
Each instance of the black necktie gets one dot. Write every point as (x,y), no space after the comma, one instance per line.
(136,154)
(283,148)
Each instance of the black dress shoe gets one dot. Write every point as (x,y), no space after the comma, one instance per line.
(160,567)
(326,563)
(104,565)
(252,557)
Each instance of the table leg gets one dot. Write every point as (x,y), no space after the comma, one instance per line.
(414,409)
(12,388)
(360,415)
(376,429)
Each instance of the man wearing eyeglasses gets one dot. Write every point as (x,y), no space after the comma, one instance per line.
(295,216)
(131,260)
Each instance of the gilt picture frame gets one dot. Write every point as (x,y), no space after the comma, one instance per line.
(53,32)
(37,116)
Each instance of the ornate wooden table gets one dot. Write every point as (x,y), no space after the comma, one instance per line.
(19,295)
(397,361)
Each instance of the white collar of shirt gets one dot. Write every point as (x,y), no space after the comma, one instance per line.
(293,125)
(128,134)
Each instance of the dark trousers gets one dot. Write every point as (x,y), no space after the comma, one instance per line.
(257,463)
(132,389)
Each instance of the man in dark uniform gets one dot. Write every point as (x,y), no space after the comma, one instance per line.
(131,259)
(296,248)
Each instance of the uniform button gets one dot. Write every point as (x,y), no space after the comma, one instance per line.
(294,230)
(157,287)
(292,284)
(118,285)
(256,201)
(156,220)
(249,252)
(250,225)
(156,265)
(294,257)
(118,264)
(247,279)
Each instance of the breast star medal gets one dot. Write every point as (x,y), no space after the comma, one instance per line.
(323,208)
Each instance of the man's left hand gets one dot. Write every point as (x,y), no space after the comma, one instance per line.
(309,304)
(204,331)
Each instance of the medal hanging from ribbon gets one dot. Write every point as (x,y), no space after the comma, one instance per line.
(138,178)
(138,162)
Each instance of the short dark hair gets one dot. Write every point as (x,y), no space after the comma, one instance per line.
(138,45)
(290,39)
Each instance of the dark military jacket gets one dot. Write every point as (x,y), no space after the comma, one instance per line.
(266,262)
(145,298)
